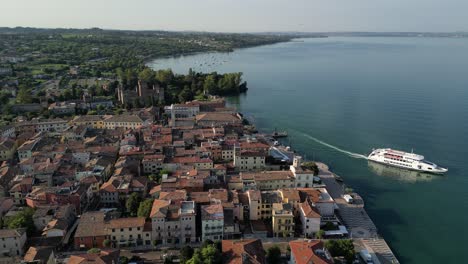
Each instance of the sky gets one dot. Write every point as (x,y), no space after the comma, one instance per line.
(240,15)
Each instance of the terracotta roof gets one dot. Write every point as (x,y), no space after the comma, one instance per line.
(220,194)
(88,118)
(38,254)
(222,117)
(254,145)
(254,195)
(193,159)
(305,252)
(200,197)
(91,224)
(124,118)
(5,233)
(7,144)
(212,212)
(290,194)
(309,211)
(243,198)
(267,175)
(159,208)
(243,251)
(127,222)
(315,195)
(174,195)
(104,257)
(155,189)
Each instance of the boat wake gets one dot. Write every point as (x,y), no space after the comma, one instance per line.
(349,153)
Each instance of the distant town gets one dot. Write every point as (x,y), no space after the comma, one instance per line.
(104,160)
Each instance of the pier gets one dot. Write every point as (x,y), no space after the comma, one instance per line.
(361,227)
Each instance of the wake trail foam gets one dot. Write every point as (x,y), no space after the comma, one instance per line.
(349,153)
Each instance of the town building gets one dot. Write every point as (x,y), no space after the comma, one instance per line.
(152,164)
(212,221)
(91,231)
(214,119)
(91,121)
(63,108)
(7,149)
(309,251)
(304,177)
(7,132)
(144,93)
(12,242)
(39,255)
(124,121)
(173,221)
(246,251)
(247,160)
(282,220)
(310,219)
(103,257)
(267,180)
(129,232)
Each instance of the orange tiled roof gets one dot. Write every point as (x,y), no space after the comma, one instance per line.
(159,208)
(309,211)
(127,222)
(304,252)
(243,251)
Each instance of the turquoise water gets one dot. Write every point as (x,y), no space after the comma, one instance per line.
(356,94)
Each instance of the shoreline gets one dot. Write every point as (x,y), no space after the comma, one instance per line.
(360,225)
(176,56)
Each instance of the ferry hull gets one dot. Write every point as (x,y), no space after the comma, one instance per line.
(442,172)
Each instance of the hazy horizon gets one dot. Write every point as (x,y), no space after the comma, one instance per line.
(241,16)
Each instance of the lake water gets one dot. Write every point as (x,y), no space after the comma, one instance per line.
(356,94)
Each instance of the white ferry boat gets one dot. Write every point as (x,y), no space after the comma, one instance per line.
(405,160)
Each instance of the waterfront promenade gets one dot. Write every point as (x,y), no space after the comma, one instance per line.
(360,226)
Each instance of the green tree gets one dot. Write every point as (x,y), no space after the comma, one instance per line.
(185,95)
(144,209)
(209,85)
(164,171)
(208,254)
(100,90)
(273,255)
(24,95)
(165,76)
(94,251)
(136,103)
(67,94)
(320,234)
(186,253)
(147,75)
(106,243)
(341,247)
(23,219)
(310,165)
(4,98)
(132,204)
(196,258)
(123,260)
